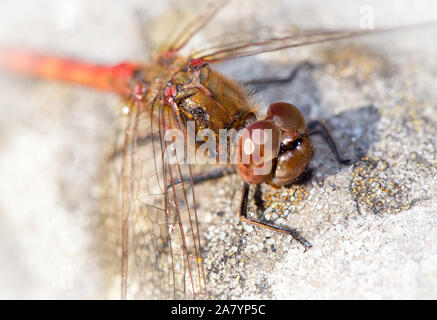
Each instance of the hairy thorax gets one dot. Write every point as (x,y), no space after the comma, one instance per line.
(200,93)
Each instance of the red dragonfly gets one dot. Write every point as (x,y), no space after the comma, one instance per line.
(155,198)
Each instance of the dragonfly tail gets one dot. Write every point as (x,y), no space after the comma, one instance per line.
(114,78)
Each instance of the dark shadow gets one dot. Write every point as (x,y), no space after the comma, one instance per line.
(356,130)
(355,133)
(294,84)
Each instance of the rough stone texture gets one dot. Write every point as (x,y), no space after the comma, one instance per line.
(372,224)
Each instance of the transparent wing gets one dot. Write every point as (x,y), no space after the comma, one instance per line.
(181,38)
(178,24)
(265,42)
(159,235)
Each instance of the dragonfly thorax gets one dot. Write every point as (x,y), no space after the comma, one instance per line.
(211,100)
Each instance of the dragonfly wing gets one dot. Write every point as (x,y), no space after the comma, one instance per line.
(292,38)
(159,235)
(188,278)
(193,25)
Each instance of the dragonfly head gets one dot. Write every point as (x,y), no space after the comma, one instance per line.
(275,150)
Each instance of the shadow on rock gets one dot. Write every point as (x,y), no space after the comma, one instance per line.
(354,132)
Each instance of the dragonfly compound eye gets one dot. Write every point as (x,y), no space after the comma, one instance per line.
(294,157)
(258,148)
(296,149)
(287,117)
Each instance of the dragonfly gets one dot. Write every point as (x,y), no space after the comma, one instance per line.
(160,243)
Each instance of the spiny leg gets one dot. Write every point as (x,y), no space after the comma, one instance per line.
(262,83)
(141,141)
(320,127)
(243,217)
(206,176)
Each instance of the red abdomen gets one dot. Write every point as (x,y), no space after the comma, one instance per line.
(108,78)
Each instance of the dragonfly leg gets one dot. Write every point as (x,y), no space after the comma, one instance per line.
(264,82)
(321,128)
(243,217)
(212,174)
(205,176)
(141,141)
